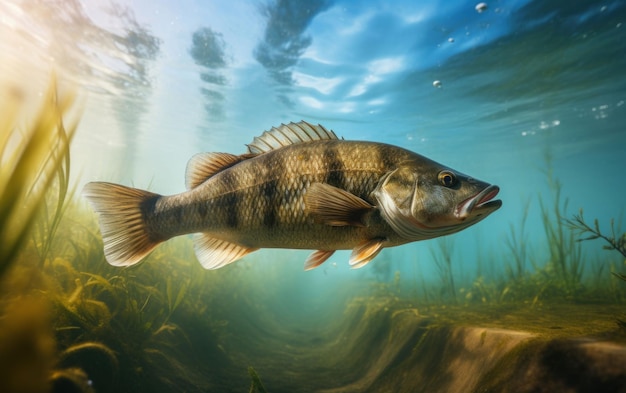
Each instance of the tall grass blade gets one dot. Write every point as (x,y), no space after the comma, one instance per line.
(29,160)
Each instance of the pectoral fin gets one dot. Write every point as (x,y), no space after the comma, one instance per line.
(214,253)
(334,206)
(365,252)
(317,258)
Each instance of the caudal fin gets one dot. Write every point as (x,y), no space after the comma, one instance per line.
(122,224)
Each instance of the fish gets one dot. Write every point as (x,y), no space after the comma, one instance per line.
(298,186)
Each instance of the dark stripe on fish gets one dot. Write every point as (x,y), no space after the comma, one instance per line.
(389,161)
(279,187)
(148,211)
(202,209)
(268,193)
(231,200)
(148,207)
(334,168)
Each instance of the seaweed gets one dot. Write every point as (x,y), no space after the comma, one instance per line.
(565,257)
(53,206)
(168,325)
(30,160)
(578,223)
(78,310)
(135,320)
(443,260)
(517,243)
(550,268)
(256,385)
(32,156)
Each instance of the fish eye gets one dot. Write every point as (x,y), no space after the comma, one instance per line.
(447,178)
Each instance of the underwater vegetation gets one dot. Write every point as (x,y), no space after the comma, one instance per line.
(71,322)
(256,386)
(559,274)
(67,322)
(31,159)
(615,242)
(32,156)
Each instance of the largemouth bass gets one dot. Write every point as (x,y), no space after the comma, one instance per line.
(298,186)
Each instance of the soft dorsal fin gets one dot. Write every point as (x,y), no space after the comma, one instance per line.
(204,165)
(289,134)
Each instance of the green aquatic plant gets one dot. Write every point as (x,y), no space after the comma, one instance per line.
(52,209)
(517,243)
(95,306)
(443,261)
(33,152)
(565,257)
(29,159)
(72,380)
(86,367)
(529,278)
(615,242)
(161,319)
(256,385)
(577,223)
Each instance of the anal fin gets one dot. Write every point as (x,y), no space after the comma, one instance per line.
(365,252)
(334,206)
(317,258)
(215,253)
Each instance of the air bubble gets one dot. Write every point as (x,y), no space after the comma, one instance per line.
(481,7)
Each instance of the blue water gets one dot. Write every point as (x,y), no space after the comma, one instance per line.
(519,81)
(526,88)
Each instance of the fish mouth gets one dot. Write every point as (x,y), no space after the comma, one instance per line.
(480,204)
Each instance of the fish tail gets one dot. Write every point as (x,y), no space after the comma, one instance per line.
(126,236)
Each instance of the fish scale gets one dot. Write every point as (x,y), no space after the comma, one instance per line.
(301,187)
(300,165)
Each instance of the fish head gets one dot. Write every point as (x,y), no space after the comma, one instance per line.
(425,200)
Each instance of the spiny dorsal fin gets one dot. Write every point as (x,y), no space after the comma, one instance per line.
(204,165)
(289,134)
(214,253)
(334,206)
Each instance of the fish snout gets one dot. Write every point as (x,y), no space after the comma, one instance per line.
(479,205)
